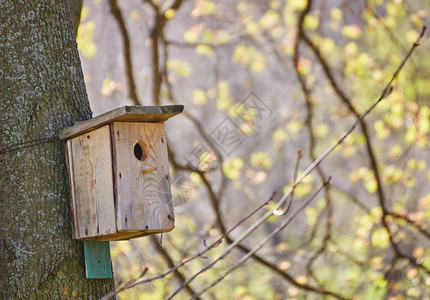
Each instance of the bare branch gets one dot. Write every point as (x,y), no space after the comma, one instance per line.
(311,167)
(116,12)
(285,209)
(173,268)
(179,276)
(156,34)
(262,243)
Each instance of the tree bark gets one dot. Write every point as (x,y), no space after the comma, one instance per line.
(42,91)
(75,10)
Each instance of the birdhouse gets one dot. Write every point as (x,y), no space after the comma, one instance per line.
(119,174)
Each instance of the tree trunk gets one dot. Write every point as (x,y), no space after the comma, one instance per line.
(42,91)
(75,11)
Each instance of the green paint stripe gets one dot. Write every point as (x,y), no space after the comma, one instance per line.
(98,262)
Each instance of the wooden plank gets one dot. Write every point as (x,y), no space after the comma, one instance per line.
(124,114)
(143,196)
(98,262)
(93,208)
(122,235)
(69,164)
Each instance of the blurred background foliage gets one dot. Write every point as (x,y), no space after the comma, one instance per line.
(311,67)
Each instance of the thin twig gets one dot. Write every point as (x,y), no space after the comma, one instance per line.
(312,144)
(360,121)
(263,242)
(116,12)
(283,274)
(197,124)
(179,276)
(411,222)
(134,282)
(285,209)
(156,33)
(311,167)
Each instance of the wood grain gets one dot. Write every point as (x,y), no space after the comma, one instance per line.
(92,188)
(144,200)
(124,114)
(69,164)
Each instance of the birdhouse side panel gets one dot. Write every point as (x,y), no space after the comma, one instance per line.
(144,200)
(90,168)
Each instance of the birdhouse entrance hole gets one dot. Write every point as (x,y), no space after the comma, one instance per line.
(140,150)
(119,175)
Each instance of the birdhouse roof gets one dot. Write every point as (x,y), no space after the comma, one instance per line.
(151,114)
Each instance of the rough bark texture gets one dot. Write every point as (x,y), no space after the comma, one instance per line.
(75,10)
(42,91)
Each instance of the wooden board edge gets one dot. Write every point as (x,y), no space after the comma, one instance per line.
(114,172)
(125,235)
(121,114)
(69,164)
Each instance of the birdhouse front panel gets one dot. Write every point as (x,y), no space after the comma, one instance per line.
(90,164)
(142,180)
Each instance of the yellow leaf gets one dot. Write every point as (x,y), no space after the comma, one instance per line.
(294,127)
(297,4)
(311,215)
(304,66)
(199,97)
(321,130)
(381,130)
(261,159)
(204,50)
(85,12)
(232,168)
(380,238)
(336,14)
(279,135)
(311,22)
(351,31)
(135,15)
(85,39)
(192,35)
(169,14)
(242,7)
(270,19)
(224,100)
(182,68)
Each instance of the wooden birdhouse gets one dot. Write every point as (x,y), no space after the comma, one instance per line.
(119,174)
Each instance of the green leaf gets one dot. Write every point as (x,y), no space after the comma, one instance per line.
(311,22)
(311,215)
(380,238)
(249,57)
(85,39)
(192,35)
(182,68)
(270,19)
(199,97)
(381,130)
(232,168)
(224,100)
(279,135)
(261,159)
(297,4)
(336,14)
(351,31)
(204,50)
(321,130)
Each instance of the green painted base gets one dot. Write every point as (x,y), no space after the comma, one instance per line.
(98,262)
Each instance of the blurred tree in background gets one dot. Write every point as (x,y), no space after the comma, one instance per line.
(260,79)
